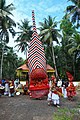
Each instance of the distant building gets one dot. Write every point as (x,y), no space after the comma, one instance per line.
(22,72)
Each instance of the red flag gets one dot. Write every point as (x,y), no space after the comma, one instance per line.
(70,77)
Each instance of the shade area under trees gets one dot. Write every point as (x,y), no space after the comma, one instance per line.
(64,56)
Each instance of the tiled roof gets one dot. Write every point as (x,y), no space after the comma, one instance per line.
(25,67)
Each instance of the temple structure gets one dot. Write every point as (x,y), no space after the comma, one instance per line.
(37,66)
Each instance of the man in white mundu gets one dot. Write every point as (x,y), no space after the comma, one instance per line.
(55,97)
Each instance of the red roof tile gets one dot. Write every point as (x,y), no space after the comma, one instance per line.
(25,67)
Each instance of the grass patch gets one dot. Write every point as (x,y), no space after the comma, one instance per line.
(65,114)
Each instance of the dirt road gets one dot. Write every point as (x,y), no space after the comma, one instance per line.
(23,108)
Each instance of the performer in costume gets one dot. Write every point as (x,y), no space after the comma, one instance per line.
(54,96)
(71,91)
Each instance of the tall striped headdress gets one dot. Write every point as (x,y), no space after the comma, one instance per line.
(36,56)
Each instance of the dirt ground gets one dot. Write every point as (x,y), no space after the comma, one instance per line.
(23,108)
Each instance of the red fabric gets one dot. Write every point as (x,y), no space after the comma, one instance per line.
(55,92)
(32,82)
(12,82)
(45,81)
(70,77)
(60,90)
(39,84)
(71,90)
(71,93)
(37,74)
(11,90)
(37,87)
(26,83)
(0,82)
(52,78)
(38,93)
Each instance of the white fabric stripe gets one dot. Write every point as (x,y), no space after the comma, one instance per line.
(32,61)
(36,56)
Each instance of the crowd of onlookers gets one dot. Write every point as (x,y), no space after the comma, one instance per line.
(12,87)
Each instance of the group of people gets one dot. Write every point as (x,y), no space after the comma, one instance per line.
(58,89)
(9,88)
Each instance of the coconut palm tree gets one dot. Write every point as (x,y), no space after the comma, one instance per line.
(74,11)
(49,33)
(66,26)
(74,49)
(68,29)
(6,26)
(74,43)
(24,36)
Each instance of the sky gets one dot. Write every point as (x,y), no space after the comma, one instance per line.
(42,9)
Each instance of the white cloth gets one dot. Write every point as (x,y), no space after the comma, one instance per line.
(55,96)
(50,84)
(56,102)
(16,82)
(7,89)
(64,92)
(49,96)
(59,83)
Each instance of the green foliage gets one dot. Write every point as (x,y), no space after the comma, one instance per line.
(49,34)
(6,27)
(64,114)
(66,26)
(66,54)
(24,36)
(10,62)
(74,12)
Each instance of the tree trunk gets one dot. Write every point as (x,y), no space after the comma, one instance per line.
(1,69)
(26,54)
(57,77)
(74,62)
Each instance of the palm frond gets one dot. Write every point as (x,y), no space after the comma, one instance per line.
(43,31)
(72,50)
(11,21)
(70,8)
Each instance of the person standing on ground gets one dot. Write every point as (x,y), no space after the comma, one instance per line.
(49,99)
(55,96)
(64,91)
(16,83)
(7,88)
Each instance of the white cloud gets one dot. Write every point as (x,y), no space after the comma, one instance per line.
(54,8)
